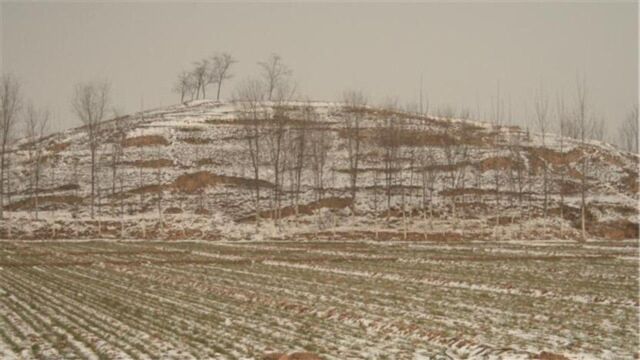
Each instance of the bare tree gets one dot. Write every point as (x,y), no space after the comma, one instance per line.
(628,131)
(456,151)
(76,176)
(407,191)
(274,73)
(581,122)
(300,149)
(184,85)
(427,163)
(516,171)
(89,102)
(561,115)
(598,131)
(320,144)
(541,106)
(220,64)
(200,75)
(498,113)
(36,124)
(10,103)
(159,197)
(276,140)
(248,98)
(276,137)
(116,147)
(355,104)
(388,134)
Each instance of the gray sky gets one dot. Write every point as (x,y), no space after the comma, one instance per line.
(462,49)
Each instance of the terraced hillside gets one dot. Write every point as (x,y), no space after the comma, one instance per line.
(185,172)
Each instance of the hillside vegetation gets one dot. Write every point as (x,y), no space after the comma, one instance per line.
(189,171)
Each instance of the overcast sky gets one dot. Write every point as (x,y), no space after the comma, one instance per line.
(462,50)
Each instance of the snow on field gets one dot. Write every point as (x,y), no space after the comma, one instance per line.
(337,299)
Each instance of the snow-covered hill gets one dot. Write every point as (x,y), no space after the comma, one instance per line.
(185,172)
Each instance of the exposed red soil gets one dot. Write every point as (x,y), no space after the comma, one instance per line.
(147,189)
(29,203)
(413,137)
(569,187)
(57,147)
(550,356)
(145,140)
(194,182)
(189,129)
(173,210)
(65,187)
(306,209)
(197,140)
(556,158)
(293,356)
(275,356)
(304,356)
(202,211)
(476,191)
(497,163)
(630,182)
(614,230)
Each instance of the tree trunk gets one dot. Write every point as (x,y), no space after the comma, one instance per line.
(583,199)
(2,165)
(37,181)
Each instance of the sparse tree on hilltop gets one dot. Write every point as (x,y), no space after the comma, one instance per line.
(220,65)
(629,131)
(184,85)
(200,75)
(274,73)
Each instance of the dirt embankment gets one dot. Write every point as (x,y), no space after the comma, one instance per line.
(145,140)
(194,182)
(304,209)
(417,138)
(197,140)
(57,147)
(45,202)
